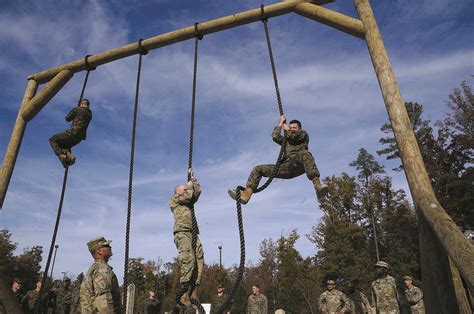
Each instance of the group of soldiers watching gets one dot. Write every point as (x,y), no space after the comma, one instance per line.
(385,297)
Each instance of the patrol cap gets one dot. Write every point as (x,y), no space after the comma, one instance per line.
(407,278)
(18,280)
(382,264)
(220,285)
(97,243)
(330,282)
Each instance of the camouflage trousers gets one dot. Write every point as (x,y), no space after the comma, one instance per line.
(291,167)
(189,259)
(64,141)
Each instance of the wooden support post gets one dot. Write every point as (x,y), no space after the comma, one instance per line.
(448,234)
(183,34)
(331,18)
(15,143)
(31,109)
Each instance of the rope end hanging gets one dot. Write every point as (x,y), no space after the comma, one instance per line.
(197,34)
(263,15)
(141,50)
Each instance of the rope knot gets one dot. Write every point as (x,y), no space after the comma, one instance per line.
(197,34)
(263,15)
(88,66)
(141,49)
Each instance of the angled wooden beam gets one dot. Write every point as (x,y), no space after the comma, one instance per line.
(331,18)
(183,34)
(15,142)
(31,109)
(448,234)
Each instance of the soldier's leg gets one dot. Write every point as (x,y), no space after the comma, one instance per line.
(183,241)
(287,170)
(199,260)
(312,173)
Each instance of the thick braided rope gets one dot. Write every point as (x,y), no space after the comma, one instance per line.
(230,298)
(141,52)
(38,303)
(280,105)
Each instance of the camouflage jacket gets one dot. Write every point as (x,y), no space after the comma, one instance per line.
(217,302)
(100,290)
(359,303)
(151,306)
(296,141)
(257,304)
(29,300)
(64,300)
(333,301)
(385,295)
(414,298)
(180,206)
(80,118)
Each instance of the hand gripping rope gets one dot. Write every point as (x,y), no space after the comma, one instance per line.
(141,51)
(38,303)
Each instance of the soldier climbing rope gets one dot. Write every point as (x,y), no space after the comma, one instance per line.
(38,304)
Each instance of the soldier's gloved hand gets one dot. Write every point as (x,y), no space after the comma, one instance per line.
(191,173)
(282,120)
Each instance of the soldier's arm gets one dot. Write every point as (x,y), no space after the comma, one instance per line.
(347,303)
(415,296)
(183,199)
(70,116)
(196,190)
(276,135)
(298,137)
(85,295)
(322,303)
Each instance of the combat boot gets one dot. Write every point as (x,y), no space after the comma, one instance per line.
(321,188)
(244,195)
(71,159)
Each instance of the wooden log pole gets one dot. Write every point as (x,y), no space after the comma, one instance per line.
(183,34)
(15,142)
(331,18)
(31,109)
(450,237)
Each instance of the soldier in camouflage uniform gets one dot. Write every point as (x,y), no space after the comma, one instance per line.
(99,289)
(384,291)
(184,197)
(151,305)
(219,300)
(29,300)
(333,301)
(64,141)
(413,296)
(296,161)
(64,297)
(257,302)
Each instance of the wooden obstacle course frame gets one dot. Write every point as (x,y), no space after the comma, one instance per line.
(448,235)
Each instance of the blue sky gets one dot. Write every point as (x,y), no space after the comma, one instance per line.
(327,81)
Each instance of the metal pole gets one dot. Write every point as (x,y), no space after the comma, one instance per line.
(220,255)
(54,259)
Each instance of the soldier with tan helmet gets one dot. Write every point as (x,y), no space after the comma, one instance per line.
(99,289)
(384,290)
(413,297)
(333,301)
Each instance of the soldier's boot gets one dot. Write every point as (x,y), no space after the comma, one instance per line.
(321,188)
(245,195)
(63,159)
(71,159)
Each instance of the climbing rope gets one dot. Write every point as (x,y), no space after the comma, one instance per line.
(281,155)
(141,51)
(230,298)
(38,303)
(194,229)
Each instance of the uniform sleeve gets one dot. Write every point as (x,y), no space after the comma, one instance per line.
(415,296)
(347,303)
(372,298)
(276,135)
(322,303)
(183,199)
(104,301)
(196,190)
(86,294)
(248,305)
(297,137)
(70,116)
(265,305)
